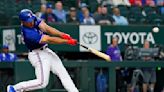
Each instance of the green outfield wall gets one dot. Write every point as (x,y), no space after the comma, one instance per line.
(94,36)
(83,75)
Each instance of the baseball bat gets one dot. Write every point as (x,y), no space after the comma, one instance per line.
(96,52)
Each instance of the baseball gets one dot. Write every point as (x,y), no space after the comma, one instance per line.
(155,29)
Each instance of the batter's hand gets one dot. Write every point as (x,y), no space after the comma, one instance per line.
(72,42)
(66,36)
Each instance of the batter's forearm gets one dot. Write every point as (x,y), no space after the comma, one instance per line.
(56,40)
(54,31)
(52,40)
(50,30)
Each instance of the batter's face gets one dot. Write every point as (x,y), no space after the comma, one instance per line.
(28,24)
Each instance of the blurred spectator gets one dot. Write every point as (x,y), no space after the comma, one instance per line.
(104,18)
(149,73)
(43,1)
(84,7)
(48,16)
(101,82)
(115,54)
(78,2)
(6,56)
(142,2)
(136,2)
(150,3)
(132,2)
(104,2)
(72,17)
(98,12)
(120,2)
(88,20)
(114,2)
(160,2)
(42,10)
(60,12)
(113,50)
(162,10)
(119,20)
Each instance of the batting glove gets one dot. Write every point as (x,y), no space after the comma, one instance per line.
(72,42)
(66,36)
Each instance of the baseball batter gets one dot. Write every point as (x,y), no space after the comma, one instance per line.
(40,56)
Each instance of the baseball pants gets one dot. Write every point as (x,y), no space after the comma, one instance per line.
(45,61)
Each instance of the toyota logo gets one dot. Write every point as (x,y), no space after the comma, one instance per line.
(90,38)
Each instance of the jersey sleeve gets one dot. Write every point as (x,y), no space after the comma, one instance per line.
(37,21)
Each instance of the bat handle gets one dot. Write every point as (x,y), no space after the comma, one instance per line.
(83,46)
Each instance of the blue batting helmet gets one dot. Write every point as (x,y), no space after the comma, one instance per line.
(26,15)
